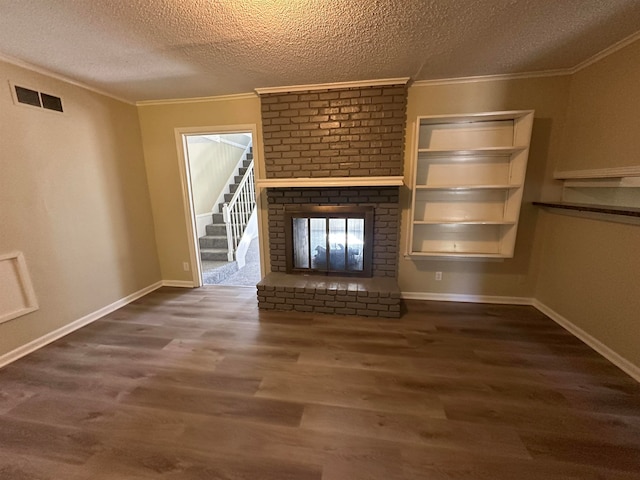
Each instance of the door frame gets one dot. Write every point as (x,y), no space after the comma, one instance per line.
(187,195)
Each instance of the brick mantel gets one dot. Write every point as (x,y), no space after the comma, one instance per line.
(316,182)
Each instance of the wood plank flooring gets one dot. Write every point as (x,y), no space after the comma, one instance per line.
(199,384)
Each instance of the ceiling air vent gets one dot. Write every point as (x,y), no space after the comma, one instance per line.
(33,98)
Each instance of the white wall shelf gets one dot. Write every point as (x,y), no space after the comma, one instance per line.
(460,222)
(467,182)
(475,153)
(617,187)
(466,187)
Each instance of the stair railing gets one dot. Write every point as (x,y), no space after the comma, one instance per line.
(238,210)
(231,179)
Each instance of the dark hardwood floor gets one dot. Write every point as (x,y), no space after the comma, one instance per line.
(198,384)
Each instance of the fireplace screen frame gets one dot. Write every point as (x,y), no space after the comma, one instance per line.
(328,212)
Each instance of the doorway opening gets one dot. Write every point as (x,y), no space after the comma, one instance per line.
(220,173)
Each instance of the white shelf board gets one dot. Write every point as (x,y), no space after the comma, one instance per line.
(470,152)
(620,182)
(466,187)
(473,117)
(419,255)
(614,172)
(462,222)
(330,182)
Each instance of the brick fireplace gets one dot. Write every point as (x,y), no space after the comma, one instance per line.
(334,147)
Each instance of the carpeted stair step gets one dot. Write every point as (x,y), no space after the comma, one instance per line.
(213,241)
(213,254)
(217,230)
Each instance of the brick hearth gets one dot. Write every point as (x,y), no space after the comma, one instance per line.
(370,297)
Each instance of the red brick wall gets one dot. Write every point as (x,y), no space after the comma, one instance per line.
(334,133)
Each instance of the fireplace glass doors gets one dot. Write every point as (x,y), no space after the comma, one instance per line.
(331,240)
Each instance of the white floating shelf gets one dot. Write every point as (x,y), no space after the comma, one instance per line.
(471,152)
(475,117)
(612,173)
(418,255)
(462,222)
(466,187)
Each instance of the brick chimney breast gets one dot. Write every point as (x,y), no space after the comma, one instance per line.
(334,133)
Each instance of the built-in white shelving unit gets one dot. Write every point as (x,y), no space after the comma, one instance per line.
(467,182)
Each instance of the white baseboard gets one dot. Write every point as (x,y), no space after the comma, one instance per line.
(462,297)
(34,345)
(622,363)
(177,283)
(626,366)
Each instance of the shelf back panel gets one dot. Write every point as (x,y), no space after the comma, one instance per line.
(467,135)
(439,174)
(459,238)
(461,206)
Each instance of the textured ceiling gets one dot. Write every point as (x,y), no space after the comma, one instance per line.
(157,49)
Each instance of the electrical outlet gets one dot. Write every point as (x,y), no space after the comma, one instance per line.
(438,276)
(185,266)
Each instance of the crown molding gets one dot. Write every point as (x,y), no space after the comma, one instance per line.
(491,78)
(606,52)
(217,98)
(43,71)
(545,73)
(334,85)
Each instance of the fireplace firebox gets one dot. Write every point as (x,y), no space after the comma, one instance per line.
(329,240)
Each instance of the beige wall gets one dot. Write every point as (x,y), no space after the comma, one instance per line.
(74,199)
(158,124)
(512,277)
(603,112)
(590,274)
(590,269)
(210,164)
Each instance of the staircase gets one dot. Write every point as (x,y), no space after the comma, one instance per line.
(214,245)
